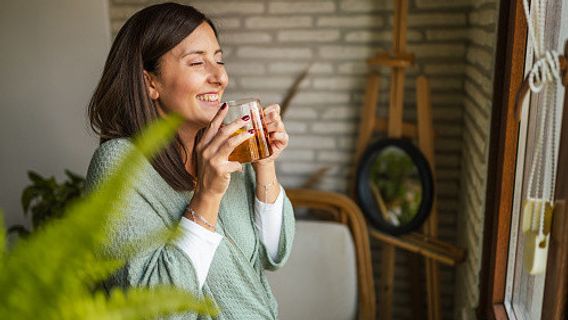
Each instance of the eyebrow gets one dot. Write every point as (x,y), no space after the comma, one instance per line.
(200,52)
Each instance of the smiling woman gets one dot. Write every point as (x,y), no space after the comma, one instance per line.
(236,220)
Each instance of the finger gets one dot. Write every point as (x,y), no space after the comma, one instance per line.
(242,124)
(275,126)
(215,124)
(273,108)
(272,117)
(280,137)
(226,148)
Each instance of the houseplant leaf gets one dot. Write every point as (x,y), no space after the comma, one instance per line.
(56,268)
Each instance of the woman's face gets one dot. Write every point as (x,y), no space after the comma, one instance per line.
(191,78)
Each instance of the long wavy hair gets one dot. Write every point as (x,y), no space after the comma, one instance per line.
(120,106)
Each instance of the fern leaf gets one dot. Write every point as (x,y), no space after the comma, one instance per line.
(51,267)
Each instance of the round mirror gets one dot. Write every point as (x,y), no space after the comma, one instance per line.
(394,186)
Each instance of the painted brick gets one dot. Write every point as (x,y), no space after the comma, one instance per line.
(338,83)
(245,37)
(264,82)
(479,97)
(445,68)
(245,68)
(274,53)
(476,75)
(301,7)
(317,97)
(378,36)
(335,156)
(311,142)
(442,4)
(227,23)
(435,19)
(345,52)
(297,155)
(447,99)
(304,168)
(298,67)
(438,50)
(294,127)
(357,68)
(300,113)
(333,184)
(358,21)
(278,22)
(365,6)
(448,34)
(333,127)
(483,17)
(218,8)
(482,37)
(340,113)
(308,36)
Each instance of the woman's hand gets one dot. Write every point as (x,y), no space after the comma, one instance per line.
(277,136)
(213,150)
(214,168)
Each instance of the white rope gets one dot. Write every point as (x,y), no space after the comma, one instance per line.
(544,75)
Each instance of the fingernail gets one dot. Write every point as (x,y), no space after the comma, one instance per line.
(224,105)
(251,131)
(246,118)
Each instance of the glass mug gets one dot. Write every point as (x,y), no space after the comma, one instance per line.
(258,146)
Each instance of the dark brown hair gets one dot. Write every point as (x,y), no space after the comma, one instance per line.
(121,106)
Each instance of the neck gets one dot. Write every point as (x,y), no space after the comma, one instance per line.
(187,135)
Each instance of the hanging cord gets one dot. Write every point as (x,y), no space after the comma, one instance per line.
(544,74)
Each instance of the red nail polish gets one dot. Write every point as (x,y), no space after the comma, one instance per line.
(224,105)
(251,131)
(246,118)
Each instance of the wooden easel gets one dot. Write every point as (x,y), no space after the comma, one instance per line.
(434,251)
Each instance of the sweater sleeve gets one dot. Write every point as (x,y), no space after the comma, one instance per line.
(159,263)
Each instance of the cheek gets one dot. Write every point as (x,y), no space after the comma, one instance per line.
(190,84)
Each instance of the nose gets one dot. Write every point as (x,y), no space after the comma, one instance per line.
(217,75)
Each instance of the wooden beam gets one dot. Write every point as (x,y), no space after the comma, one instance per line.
(442,252)
(402,60)
(409,130)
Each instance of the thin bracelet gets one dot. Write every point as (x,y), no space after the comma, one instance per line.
(197,216)
(266,186)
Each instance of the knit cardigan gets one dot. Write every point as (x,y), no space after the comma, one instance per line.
(236,281)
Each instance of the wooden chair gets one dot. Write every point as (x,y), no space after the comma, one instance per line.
(335,207)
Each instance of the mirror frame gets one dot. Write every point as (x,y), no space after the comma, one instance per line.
(365,197)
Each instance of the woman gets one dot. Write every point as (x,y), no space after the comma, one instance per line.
(236,220)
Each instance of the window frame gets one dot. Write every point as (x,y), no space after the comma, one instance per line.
(508,76)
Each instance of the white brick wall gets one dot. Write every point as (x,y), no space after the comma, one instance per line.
(477,106)
(268,43)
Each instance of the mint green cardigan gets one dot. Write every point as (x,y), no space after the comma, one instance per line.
(236,280)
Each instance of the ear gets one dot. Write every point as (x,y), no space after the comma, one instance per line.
(151,85)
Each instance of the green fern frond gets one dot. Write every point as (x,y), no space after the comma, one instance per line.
(137,303)
(56,268)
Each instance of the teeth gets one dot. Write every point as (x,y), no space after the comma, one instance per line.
(208,97)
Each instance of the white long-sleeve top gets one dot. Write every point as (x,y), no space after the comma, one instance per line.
(200,243)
